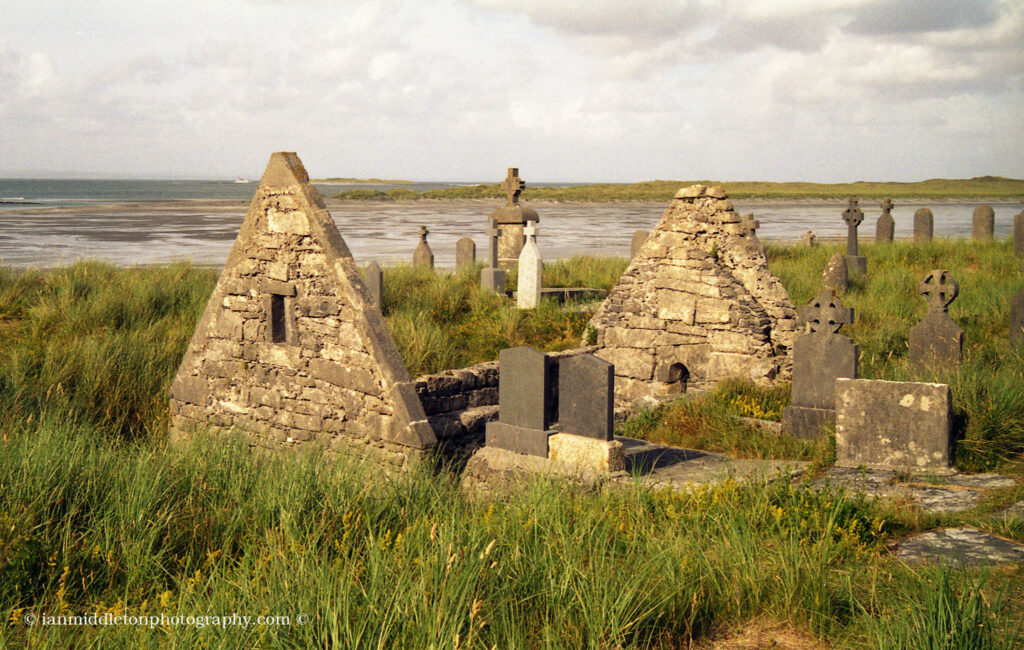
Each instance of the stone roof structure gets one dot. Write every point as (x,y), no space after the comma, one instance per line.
(291,348)
(695,306)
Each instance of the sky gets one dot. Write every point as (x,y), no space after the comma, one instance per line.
(592,91)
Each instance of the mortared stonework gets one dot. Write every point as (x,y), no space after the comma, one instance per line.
(291,348)
(695,306)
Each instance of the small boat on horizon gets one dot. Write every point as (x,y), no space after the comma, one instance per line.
(242,179)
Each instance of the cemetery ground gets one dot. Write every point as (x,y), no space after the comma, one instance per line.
(99,514)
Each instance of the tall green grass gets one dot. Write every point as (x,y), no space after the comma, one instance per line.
(87,525)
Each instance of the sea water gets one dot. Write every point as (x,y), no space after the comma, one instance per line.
(46,223)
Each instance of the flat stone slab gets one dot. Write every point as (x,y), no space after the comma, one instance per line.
(962,544)
(1016,511)
(659,466)
(934,494)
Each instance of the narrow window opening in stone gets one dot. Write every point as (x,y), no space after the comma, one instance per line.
(678,378)
(278,329)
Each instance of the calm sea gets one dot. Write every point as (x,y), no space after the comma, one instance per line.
(46,223)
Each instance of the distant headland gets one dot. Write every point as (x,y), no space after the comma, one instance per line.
(981,187)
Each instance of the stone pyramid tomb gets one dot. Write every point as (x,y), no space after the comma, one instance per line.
(291,349)
(695,306)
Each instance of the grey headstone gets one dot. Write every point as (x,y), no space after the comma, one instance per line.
(983,222)
(423,256)
(465,253)
(523,395)
(1018,234)
(853,216)
(524,402)
(375,284)
(835,276)
(924,225)
(1017,317)
(885,227)
(820,356)
(937,341)
(639,237)
(586,395)
(492,278)
(893,424)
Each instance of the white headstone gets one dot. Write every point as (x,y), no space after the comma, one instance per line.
(530,267)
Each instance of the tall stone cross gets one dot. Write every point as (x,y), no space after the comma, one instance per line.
(853,216)
(939,289)
(493,233)
(423,234)
(825,313)
(513,185)
(885,227)
(887,206)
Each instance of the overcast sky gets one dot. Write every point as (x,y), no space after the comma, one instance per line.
(599,90)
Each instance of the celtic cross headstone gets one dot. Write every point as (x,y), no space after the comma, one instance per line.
(820,356)
(853,216)
(936,342)
(423,256)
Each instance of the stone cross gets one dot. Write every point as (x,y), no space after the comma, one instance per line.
(423,256)
(885,227)
(924,225)
(820,356)
(936,342)
(825,313)
(808,238)
(513,185)
(853,217)
(940,289)
(492,278)
(530,270)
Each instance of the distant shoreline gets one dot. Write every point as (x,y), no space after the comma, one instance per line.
(361,181)
(980,188)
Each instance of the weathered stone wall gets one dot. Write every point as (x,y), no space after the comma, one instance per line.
(695,306)
(291,349)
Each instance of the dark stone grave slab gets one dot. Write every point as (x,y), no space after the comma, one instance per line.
(937,342)
(885,227)
(586,397)
(924,225)
(465,253)
(820,356)
(524,402)
(983,222)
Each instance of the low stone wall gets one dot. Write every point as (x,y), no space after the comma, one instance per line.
(459,403)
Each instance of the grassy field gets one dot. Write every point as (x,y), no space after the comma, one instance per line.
(98,514)
(983,187)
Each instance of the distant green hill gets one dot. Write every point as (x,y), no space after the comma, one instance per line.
(992,187)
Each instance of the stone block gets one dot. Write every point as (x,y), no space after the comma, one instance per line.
(676,305)
(288,222)
(358,379)
(521,440)
(629,362)
(1017,318)
(804,422)
(465,253)
(586,454)
(983,222)
(586,396)
(892,424)
(276,287)
(924,225)
(493,279)
(523,396)
(193,390)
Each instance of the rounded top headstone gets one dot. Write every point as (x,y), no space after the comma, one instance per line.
(984,211)
(923,212)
